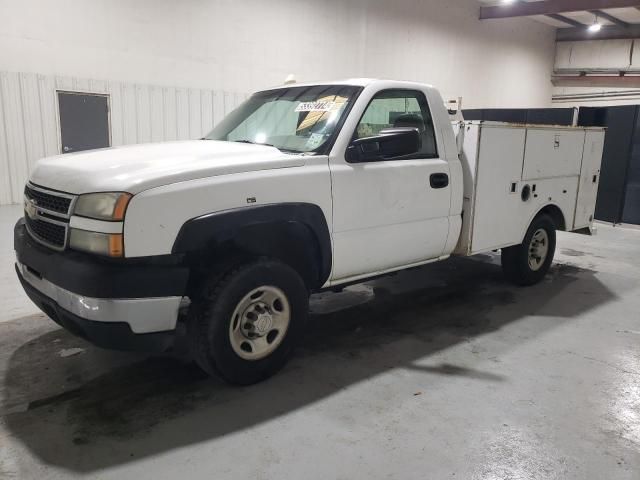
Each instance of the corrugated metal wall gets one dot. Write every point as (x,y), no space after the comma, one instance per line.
(29,125)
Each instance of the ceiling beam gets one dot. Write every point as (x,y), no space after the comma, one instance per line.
(567,20)
(545,7)
(607,32)
(611,18)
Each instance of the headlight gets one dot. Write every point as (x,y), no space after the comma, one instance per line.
(102,206)
(108,244)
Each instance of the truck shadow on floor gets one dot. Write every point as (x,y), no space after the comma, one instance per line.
(97,409)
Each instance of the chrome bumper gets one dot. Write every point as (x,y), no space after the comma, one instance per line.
(143,315)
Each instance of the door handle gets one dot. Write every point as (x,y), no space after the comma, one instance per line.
(439,180)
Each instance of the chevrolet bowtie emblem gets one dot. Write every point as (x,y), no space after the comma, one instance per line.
(31,208)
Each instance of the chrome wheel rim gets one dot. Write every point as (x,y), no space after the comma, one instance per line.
(538,249)
(259,323)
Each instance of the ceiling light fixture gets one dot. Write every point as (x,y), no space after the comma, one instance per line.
(595,26)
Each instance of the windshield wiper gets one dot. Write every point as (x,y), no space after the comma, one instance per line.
(282,149)
(254,143)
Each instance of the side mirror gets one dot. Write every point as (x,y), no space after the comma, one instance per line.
(388,144)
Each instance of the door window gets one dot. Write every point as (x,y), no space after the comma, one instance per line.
(400,108)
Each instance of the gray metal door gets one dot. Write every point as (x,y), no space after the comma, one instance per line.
(84,121)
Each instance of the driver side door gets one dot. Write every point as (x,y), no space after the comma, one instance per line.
(390,213)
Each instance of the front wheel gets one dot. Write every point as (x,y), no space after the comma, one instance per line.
(529,262)
(243,326)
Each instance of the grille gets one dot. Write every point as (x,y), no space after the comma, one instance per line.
(50,233)
(48,201)
(47,215)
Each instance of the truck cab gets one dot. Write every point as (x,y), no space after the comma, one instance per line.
(302,188)
(395,210)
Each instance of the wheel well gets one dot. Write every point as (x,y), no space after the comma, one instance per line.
(556,215)
(294,233)
(292,243)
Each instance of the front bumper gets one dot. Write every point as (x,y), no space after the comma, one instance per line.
(123,304)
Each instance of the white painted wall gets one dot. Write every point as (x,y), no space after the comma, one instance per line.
(238,46)
(246,45)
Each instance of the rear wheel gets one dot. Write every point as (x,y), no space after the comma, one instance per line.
(244,326)
(529,262)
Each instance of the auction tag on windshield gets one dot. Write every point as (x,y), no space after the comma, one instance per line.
(320,106)
(315,140)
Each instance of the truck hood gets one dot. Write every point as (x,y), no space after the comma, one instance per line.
(139,167)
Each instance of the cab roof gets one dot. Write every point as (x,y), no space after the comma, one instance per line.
(356,82)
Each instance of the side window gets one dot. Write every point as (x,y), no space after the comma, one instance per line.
(400,108)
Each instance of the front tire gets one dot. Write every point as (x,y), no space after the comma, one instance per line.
(245,325)
(528,263)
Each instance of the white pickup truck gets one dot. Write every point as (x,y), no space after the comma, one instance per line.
(300,189)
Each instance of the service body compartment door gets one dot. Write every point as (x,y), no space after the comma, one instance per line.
(589,179)
(552,153)
(522,169)
(497,194)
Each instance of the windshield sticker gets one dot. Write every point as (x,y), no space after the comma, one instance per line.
(320,106)
(315,140)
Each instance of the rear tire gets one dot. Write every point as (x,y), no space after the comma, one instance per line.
(244,325)
(528,263)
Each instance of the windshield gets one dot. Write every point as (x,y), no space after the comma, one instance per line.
(294,119)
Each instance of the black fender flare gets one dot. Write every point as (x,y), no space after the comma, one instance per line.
(224,226)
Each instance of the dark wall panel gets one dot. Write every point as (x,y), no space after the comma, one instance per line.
(631,210)
(535,116)
(620,123)
(473,114)
(550,116)
(511,115)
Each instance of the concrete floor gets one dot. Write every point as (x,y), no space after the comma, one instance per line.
(442,372)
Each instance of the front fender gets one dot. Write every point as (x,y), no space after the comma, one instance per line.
(207,231)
